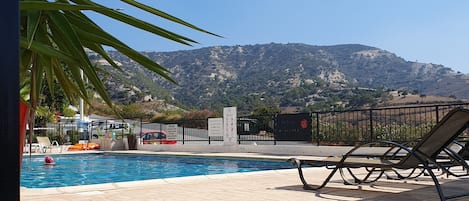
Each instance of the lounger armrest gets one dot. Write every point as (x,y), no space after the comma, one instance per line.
(460,145)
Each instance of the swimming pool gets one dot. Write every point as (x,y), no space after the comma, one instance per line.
(97,168)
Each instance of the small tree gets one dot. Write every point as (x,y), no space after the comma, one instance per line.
(264,116)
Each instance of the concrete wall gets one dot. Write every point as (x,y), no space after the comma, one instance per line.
(287,150)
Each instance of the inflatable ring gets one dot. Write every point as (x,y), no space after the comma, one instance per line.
(85,146)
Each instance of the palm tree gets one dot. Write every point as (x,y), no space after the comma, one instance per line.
(54,39)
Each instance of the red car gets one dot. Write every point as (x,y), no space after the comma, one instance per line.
(155,137)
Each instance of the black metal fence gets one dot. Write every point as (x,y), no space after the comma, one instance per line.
(401,124)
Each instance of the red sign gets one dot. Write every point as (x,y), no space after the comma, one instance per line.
(304,123)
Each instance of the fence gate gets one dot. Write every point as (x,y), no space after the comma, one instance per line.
(293,127)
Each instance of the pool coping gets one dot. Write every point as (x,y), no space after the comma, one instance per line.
(142,183)
(240,155)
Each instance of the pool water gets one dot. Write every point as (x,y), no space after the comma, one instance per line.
(97,168)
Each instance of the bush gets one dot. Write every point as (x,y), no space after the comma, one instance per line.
(133,111)
(68,112)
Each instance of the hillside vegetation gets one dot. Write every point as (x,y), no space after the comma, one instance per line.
(281,75)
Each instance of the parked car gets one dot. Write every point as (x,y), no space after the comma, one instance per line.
(155,137)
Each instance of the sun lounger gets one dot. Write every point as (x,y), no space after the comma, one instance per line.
(425,156)
(45,144)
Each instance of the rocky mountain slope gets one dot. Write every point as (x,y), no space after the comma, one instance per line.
(280,74)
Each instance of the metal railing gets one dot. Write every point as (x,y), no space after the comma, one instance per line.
(400,124)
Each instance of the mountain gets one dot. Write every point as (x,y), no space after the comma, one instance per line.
(280,75)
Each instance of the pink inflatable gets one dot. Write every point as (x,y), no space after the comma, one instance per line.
(48,160)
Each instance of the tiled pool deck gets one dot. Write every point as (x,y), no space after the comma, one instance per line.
(265,185)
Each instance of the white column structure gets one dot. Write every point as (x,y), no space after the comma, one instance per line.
(230,133)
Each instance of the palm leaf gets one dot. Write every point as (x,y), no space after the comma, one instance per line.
(45,49)
(54,36)
(33,23)
(166,16)
(127,19)
(45,5)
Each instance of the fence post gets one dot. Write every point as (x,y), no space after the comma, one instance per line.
(122,129)
(183,132)
(317,129)
(141,131)
(106,127)
(275,120)
(371,125)
(437,110)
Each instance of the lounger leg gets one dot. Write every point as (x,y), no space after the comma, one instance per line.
(440,190)
(366,179)
(437,184)
(307,186)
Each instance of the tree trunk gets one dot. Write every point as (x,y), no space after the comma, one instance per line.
(22,130)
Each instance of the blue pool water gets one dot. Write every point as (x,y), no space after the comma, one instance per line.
(84,169)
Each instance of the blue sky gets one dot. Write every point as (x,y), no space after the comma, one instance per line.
(429,31)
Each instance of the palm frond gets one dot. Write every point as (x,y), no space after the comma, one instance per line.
(55,36)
